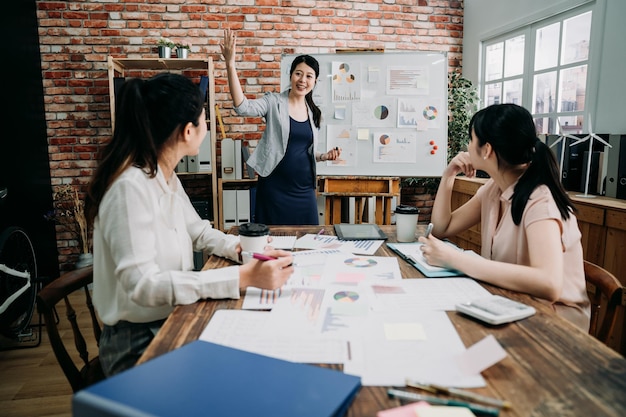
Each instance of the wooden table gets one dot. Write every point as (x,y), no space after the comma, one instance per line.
(552,368)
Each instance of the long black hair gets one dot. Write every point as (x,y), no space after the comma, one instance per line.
(311,62)
(511,131)
(148,114)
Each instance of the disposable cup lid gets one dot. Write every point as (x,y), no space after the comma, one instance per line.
(253,229)
(404,209)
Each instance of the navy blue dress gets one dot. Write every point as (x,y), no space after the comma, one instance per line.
(287,195)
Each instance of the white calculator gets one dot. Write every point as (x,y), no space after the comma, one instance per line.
(496,309)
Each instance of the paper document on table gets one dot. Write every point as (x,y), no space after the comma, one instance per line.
(428,294)
(248,330)
(421,345)
(317,241)
(283,242)
(308,269)
(317,268)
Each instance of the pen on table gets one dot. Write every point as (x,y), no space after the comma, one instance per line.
(474,408)
(317,236)
(468,395)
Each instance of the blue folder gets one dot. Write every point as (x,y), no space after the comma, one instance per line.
(205,379)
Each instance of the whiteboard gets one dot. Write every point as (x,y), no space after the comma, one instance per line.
(387,111)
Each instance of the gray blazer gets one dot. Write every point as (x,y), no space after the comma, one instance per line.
(274,107)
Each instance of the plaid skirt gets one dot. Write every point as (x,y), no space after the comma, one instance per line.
(121,345)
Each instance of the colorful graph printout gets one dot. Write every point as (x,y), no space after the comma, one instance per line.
(346,82)
(399,146)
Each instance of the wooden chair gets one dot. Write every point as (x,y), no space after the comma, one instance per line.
(603,284)
(79,369)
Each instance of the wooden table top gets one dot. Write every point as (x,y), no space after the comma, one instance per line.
(552,368)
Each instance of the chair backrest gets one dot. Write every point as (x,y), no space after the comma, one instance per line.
(603,284)
(80,370)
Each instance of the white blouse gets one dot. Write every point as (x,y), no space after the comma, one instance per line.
(143,241)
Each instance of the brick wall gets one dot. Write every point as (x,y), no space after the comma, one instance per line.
(77,36)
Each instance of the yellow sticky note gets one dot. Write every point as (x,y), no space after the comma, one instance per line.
(363,134)
(404,331)
(443,411)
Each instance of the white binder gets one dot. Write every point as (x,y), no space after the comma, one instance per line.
(238,161)
(229,208)
(243,206)
(228,159)
(193,165)
(182,165)
(204,157)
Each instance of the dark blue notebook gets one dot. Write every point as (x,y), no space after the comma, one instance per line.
(205,379)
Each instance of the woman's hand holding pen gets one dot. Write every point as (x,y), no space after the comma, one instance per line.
(331,155)
(436,252)
(269,274)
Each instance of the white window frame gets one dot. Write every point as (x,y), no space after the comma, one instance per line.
(529,31)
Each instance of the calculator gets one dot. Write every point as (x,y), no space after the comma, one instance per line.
(496,309)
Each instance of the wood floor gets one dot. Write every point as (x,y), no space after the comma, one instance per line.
(31,381)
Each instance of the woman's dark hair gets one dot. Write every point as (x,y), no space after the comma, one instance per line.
(511,131)
(311,62)
(148,114)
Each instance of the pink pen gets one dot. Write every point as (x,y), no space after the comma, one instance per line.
(317,236)
(259,256)
(262,257)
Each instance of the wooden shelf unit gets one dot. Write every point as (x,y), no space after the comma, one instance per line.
(146,67)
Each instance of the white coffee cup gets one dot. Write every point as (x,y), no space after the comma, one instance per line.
(253,238)
(406,223)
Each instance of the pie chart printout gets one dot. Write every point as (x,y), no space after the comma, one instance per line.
(346,296)
(381,112)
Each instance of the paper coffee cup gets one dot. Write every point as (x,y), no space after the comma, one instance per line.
(253,238)
(406,223)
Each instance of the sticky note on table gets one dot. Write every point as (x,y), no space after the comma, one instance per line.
(443,411)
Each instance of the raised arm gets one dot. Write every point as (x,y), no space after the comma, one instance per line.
(229,47)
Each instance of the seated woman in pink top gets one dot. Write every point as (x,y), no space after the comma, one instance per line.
(530,236)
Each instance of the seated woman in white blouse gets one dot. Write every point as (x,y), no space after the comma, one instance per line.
(145,227)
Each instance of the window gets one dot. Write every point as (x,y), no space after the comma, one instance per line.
(543,67)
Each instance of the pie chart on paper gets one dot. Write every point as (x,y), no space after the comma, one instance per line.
(381,112)
(346,296)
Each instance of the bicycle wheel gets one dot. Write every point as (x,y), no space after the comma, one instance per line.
(16,253)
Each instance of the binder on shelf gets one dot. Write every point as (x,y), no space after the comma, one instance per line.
(229,208)
(202,378)
(616,169)
(193,165)
(228,159)
(204,157)
(182,165)
(243,206)
(238,163)
(596,179)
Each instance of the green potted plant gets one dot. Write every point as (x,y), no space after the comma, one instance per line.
(165,47)
(182,49)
